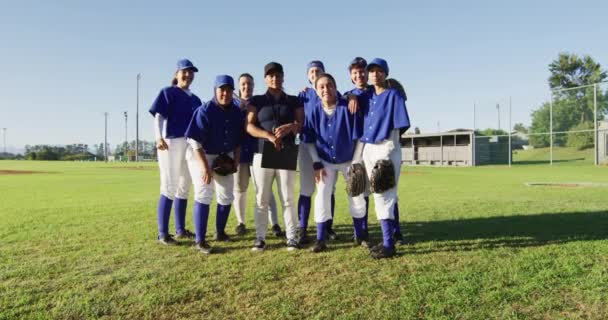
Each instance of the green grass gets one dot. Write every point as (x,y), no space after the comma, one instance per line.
(561,156)
(78,242)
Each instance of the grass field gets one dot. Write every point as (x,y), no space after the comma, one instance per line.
(78,241)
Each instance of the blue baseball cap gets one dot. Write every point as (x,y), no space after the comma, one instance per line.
(186,64)
(317,64)
(357,62)
(380,63)
(224,80)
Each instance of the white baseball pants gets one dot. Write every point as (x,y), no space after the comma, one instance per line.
(286,184)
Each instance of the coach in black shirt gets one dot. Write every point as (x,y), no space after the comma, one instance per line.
(275,117)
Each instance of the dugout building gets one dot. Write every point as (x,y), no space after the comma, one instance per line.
(454,148)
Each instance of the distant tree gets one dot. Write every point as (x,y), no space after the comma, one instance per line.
(519,127)
(572,108)
(491,132)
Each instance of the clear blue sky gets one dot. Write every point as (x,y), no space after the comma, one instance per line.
(64,63)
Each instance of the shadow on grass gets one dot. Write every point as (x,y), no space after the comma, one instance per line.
(496,232)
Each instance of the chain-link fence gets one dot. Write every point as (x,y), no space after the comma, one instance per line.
(569,129)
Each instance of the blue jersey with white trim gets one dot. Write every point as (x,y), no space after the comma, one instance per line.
(382,114)
(335,136)
(218,129)
(177,106)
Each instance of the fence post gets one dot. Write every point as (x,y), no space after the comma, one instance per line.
(551,129)
(510,130)
(595,146)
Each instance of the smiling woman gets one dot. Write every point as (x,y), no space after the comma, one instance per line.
(172,111)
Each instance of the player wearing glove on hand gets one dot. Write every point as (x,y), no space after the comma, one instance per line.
(330,135)
(215,134)
(385,119)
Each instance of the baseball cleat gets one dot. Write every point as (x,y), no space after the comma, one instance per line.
(319,246)
(302,237)
(167,240)
(276,229)
(240,229)
(186,234)
(203,247)
(331,234)
(221,236)
(381,252)
(259,245)
(292,245)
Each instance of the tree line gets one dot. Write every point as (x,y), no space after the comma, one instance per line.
(84,152)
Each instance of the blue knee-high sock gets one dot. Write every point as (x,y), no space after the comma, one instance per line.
(387,235)
(201,216)
(322,230)
(396,226)
(179,207)
(330,223)
(163,214)
(303,211)
(358,224)
(221,219)
(366,213)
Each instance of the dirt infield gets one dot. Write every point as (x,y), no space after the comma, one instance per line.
(11,172)
(133,168)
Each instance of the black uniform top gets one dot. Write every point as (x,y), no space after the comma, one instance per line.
(273,113)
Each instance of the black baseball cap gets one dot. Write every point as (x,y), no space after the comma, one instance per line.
(273,66)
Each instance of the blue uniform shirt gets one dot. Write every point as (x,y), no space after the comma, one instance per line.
(249,144)
(217,129)
(310,100)
(175,105)
(335,136)
(382,114)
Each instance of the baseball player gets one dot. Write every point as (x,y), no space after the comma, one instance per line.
(330,135)
(385,119)
(309,98)
(241,178)
(359,77)
(172,110)
(216,129)
(274,117)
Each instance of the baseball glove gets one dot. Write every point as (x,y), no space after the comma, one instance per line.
(394,84)
(355,179)
(382,177)
(224,165)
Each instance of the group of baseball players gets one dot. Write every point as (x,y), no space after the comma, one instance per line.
(218,145)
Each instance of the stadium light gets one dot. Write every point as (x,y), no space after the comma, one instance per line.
(105,146)
(137,119)
(126,151)
(4,134)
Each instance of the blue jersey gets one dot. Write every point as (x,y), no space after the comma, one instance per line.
(177,106)
(217,129)
(310,100)
(382,114)
(335,136)
(249,144)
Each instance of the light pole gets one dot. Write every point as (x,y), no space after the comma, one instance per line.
(4,134)
(105,140)
(126,151)
(498,112)
(137,120)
